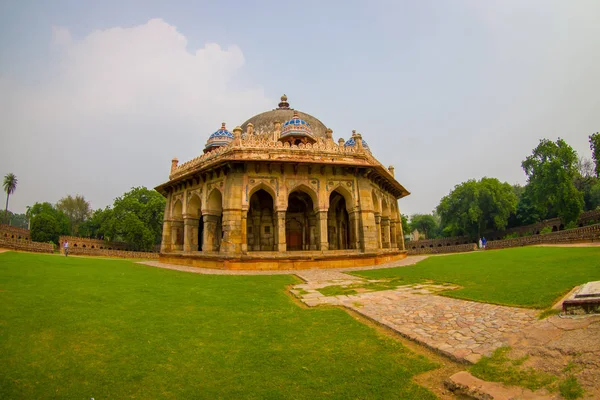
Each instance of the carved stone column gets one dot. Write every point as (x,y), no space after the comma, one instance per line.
(177,235)
(312,231)
(244,231)
(323,230)
(378,227)
(281,244)
(385,228)
(210,241)
(354,217)
(190,234)
(232,232)
(166,244)
(393,232)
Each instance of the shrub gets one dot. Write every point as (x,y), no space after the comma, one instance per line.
(513,235)
(546,230)
(572,225)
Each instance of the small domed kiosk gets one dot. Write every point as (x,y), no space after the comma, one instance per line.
(278,193)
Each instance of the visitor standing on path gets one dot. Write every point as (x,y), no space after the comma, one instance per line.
(480,244)
(66,247)
(484,242)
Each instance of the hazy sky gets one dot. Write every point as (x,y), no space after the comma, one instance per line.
(97,97)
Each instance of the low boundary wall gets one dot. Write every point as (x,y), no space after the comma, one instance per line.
(111,253)
(461,248)
(586,234)
(26,245)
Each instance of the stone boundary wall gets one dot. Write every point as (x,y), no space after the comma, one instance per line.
(80,251)
(26,245)
(461,248)
(85,243)
(449,241)
(533,229)
(11,232)
(577,235)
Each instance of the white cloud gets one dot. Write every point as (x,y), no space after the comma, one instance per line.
(111,109)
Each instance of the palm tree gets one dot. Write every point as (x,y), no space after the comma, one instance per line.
(9,185)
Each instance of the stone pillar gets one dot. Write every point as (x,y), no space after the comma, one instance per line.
(281,245)
(312,231)
(209,241)
(177,235)
(322,214)
(190,234)
(232,229)
(378,227)
(354,219)
(244,231)
(385,229)
(393,232)
(166,243)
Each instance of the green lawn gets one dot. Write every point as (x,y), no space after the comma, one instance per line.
(527,276)
(79,328)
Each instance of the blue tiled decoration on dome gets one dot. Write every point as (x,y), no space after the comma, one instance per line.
(296,127)
(351,143)
(222,137)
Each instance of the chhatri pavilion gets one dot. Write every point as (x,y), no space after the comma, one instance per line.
(278,192)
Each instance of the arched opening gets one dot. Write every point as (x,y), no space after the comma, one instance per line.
(338,222)
(213,222)
(300,222)
(261,222)
(554,228)
(195,223)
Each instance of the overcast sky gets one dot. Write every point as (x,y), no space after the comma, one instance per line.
(97,97)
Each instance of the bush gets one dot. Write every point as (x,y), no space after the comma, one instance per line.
(546,230)
(572,225)
(513,235)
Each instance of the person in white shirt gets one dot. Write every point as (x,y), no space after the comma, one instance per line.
(66,246)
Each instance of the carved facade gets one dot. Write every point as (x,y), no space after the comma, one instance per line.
(279,193)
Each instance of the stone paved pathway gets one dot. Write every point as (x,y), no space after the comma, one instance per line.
(462,330)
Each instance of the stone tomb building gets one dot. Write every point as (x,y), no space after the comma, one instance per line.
(280,193)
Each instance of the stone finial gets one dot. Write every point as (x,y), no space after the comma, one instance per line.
(341,142)
(284,103)
(329,133)
(237,133)
(250,128)
(353,132)
(358,140)
(174,163)
(391,169)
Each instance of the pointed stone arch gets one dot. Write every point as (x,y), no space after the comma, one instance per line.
(347,194)
(177,210)
(339,229)
(267,188)
(303,187)
(261,222)
(301,230)
(212,216)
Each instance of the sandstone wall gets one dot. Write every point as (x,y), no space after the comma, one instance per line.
(11,232)
(97,252)
(85,243)
(443,249)
(577,235)
(25,245)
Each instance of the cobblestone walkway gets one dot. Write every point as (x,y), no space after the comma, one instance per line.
(463,330)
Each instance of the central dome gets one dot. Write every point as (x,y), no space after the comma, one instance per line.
(265,122)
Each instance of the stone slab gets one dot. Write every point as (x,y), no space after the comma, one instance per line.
(465,384)
(590,289)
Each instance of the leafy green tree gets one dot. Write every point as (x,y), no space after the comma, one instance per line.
(9,185)
(424,223)
(595,147)
(77,209)
(474,207)
(18,220)
(551,170)
(99,225)
(47,223)
(405,225)
(526,213)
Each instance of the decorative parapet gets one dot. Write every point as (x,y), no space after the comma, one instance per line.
(589,233)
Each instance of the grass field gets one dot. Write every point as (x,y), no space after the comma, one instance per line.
(79,328)
(528,276)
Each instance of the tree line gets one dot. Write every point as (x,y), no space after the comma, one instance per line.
(559,184)
(135,218)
